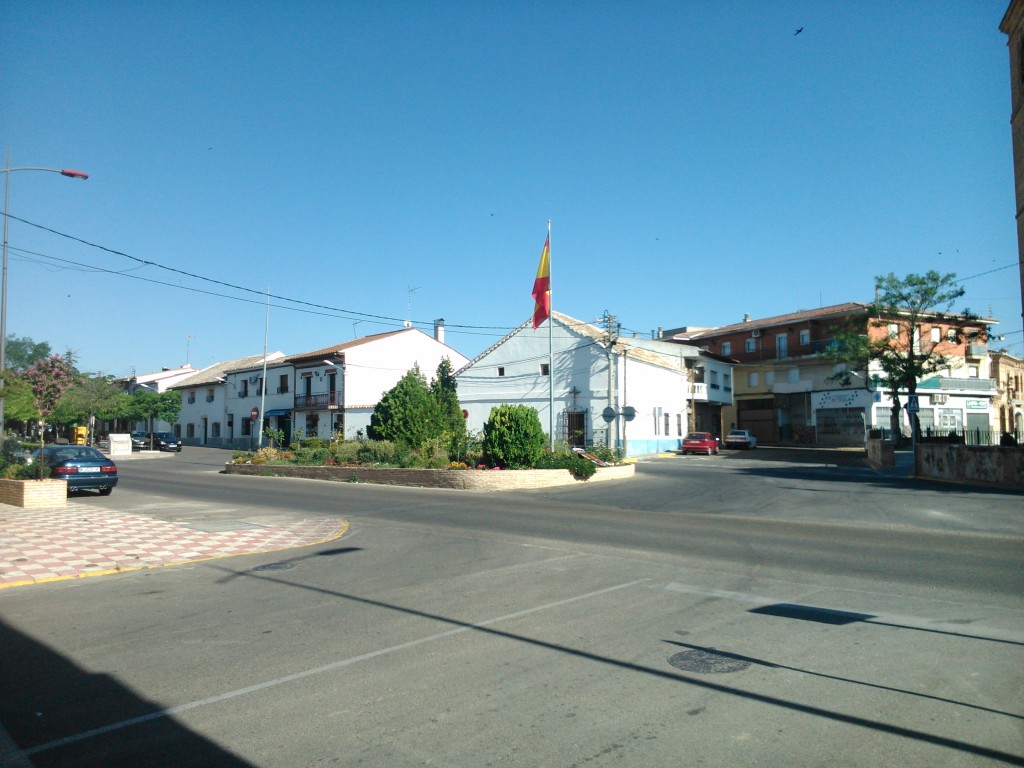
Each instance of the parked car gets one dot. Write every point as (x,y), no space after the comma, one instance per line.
(82,466)
(740,438)
(140,440)
(700,442)
(163,441)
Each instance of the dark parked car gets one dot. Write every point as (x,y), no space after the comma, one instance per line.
(163,441)
(700,442)
(140,440)
(83,467)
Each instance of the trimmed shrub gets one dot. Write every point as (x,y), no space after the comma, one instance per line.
(513,437)
(346,452)
(312,455)
(579,467)
(378,452)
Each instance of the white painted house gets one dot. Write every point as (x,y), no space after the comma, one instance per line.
(216,405)
(337,387)
(637,395)
(158,381)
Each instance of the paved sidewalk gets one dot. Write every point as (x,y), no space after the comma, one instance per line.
(78,540)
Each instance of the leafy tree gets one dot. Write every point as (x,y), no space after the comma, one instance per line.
(19,404)
(95,396)
(49,379)
(513,437)
(453,423)
(148,406)
(903,353)
(21,352)
(407,413)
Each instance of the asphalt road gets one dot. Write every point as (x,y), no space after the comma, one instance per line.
(746,609)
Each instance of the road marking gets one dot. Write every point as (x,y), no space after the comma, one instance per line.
(334,665)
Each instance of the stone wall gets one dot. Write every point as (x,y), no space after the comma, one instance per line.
(881,453)
(460,479)
(958,463)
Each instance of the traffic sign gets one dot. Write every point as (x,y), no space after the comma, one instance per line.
(913,404)
(255,413)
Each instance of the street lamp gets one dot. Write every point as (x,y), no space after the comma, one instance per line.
(7,171)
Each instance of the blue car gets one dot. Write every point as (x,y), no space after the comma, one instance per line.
(83,467)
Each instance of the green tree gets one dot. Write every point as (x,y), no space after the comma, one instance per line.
(21,352)
(407,413)
(444,389)
(903,353)
(513,437)
(149,406)
(49,379)
(95,396)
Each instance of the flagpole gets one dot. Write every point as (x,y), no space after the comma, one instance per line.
(551,356)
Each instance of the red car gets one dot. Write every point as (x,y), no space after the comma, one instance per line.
(700,442)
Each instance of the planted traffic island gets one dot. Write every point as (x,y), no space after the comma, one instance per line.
(459,479)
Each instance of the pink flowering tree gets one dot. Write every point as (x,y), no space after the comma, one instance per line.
(49,378)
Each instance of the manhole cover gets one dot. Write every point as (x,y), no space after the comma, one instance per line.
(707,661)
(275,567)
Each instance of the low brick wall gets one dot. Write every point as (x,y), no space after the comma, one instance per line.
(33,493)
(460,479)
(958,463)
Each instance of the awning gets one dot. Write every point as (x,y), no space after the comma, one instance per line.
(278,412)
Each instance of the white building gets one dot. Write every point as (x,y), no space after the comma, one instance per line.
(336,388)
(637,395)
(215,407)
(158,381)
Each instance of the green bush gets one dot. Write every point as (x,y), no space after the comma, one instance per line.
(579,467)
(17,470)
(378,452)
(513,437)
(605,454)
(346,452)
(312,455)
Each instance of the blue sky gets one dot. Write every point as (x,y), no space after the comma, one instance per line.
(374,162)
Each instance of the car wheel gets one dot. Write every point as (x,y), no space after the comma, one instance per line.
(106,491)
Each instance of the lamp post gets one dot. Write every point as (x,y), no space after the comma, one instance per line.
(7,171)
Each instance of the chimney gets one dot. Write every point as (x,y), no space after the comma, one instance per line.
(439,330)
(746,318)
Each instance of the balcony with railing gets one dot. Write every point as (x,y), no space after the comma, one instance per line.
(318,402)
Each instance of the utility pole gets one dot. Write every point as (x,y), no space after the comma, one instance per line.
(612,328)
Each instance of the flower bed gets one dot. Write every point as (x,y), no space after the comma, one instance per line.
(460,479)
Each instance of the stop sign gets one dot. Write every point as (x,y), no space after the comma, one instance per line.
(255,413)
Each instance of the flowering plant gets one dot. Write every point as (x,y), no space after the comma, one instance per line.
(49,377)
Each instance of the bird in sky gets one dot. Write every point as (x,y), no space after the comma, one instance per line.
(798,31)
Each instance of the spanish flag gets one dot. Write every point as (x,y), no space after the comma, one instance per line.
(542,286)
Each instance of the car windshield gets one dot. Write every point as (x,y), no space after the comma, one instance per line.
(698,436)
(73,453)
(738,433)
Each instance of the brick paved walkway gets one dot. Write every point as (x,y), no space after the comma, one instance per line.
(79,540)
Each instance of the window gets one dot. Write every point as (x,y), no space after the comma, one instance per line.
(667,424)
(209,395)
(215,429)
(894,331)
(805,337)
(283,386)
(501,370)
(727,381)
(951,335)
(753,378)
(190,430)
(246,427)
(679,425)
(259,386)
(972,371)
(750,345)
(191,396)
(781,342)
(243,390)
(544,369)
(936,334)
(726,347)
(714,379)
